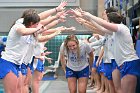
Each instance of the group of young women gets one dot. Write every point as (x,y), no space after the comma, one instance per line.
(119,67)
(25,48)
(110,54)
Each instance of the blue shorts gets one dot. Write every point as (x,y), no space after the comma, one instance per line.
(6,67)
(108,70)
(132,67)
(114,65)
(40,66)
(31,64)
(94,63)
(101,67)
(77,74)
(24,69)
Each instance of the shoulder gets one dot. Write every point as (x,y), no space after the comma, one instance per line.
(84,45)
(122,27)
(81,43)
(19,21)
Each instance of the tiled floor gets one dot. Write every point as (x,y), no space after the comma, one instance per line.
(53,86)
(57,86)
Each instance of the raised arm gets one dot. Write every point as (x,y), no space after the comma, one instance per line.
(59,15)
(93,25)
(93,29)
(97,43)
(28,31)
(62,28)
(45,38)
(47,13)
(110,26)
(88,25)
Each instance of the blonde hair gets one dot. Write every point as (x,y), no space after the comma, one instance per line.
(75,39)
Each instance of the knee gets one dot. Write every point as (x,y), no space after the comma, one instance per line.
(117,89)
(93,70)
(37,78)
(73,91)
(82,91)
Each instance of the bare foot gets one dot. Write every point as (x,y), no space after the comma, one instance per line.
(100,91)
(96,89)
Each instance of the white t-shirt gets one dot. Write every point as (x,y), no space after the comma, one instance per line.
(27,58)
(72,61)
(15,46)
(123,45)
(96,45)
(96,48)
(29,55)
(92,39)
(31,40)
(107,45)
(38,49)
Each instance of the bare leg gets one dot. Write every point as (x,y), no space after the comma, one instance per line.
(98,81)
(20,83)
(117,80)
(102,89)
(106,85)
(111,86)
(10,84)
(72,84)
(92,77)
(82,84)
(129,83)
(36,79)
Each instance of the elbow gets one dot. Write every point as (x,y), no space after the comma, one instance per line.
(23,34)
(42,40)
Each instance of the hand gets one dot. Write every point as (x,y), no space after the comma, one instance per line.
(58,32)
(62,28)
(45,48)
(61,20)
(40,28)
(85,14)
(71,28)
(46,53)
(75,13)
(41,58)
(61,6)
(49,60)
(80,20)
(61,14)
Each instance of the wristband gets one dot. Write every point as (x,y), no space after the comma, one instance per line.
(56,10)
